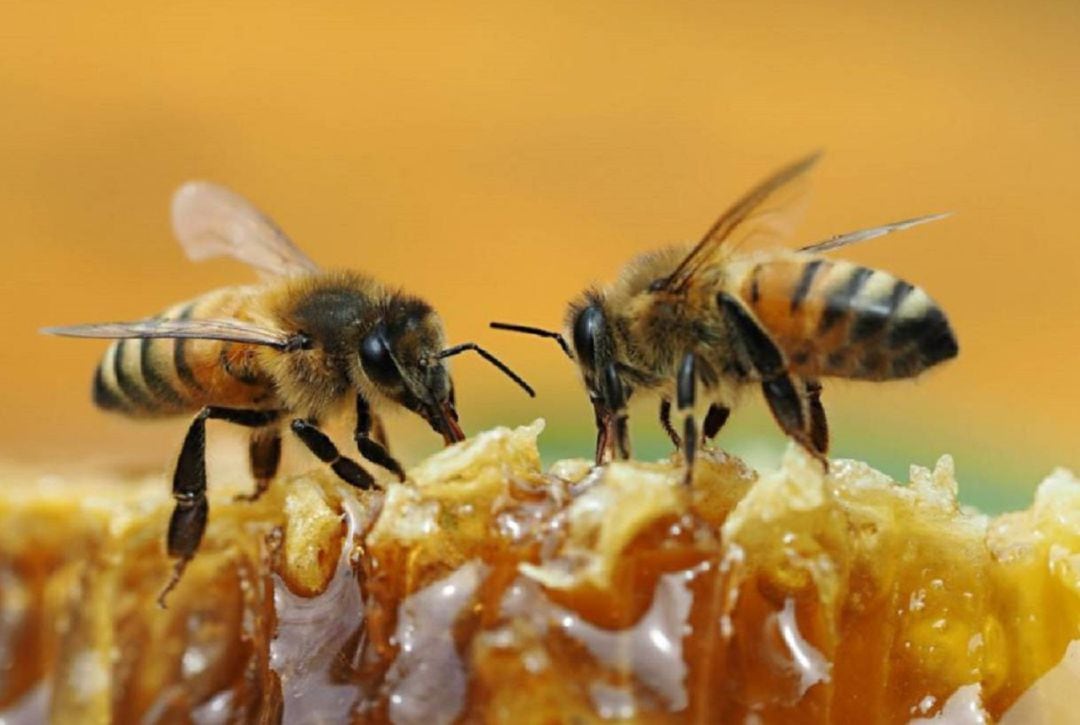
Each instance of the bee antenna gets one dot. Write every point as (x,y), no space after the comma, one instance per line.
(538,331)
(466,346)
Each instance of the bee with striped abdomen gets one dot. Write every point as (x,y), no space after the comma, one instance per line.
(721,319)
(301,346)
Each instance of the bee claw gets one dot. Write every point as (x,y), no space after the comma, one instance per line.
(178,571)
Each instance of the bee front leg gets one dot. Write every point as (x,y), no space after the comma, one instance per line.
(324,449)
(366,443)
(686,392)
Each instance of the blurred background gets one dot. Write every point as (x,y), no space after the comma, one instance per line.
(498,158)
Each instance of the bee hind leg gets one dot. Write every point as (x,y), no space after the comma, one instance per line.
(188,521)
(818,425)
(792,406)
(371,440)
(792,402)
(324,449)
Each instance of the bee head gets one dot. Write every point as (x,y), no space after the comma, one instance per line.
(594,351)
(594,348)
(400,357)
(404,358)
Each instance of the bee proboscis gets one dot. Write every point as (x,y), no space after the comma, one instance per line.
(718,319)
(298,347)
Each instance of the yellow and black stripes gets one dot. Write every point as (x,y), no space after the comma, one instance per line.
(134,378)
(152,377)
(158,384)
(806,279)
(180,358)
(119,383)
(104,393)
(840,319)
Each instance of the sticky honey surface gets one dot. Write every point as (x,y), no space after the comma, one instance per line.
(486,588)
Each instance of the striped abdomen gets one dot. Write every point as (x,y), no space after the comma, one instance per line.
(840,319)
(162,377)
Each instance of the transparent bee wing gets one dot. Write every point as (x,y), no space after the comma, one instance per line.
(842,240)
(769,211)
(228,330)
(212,221)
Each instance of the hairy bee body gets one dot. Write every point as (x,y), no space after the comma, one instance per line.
(829,318)
(717,319)
(292,350)
(160,377)
(837,319)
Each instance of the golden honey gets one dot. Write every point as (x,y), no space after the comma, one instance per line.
(487,589)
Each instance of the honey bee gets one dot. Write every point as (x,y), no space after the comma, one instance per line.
(298,347)
(721,319)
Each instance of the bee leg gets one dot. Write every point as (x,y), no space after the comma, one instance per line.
(370,448)
(714,421)
(188,520)
(686,392)
(378,432)
(819,426)
(264,453)
(665,422)
(324,449)
(786,401)
(621,425)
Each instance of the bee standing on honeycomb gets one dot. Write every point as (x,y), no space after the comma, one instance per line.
(299,347)
(715,319)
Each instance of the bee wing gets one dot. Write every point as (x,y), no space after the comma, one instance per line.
(228,330)
(842,240)
(212,221)
(768,210)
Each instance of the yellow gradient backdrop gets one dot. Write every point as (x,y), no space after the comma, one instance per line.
(497,158)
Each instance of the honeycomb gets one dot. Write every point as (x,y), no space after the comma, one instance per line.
(487,589)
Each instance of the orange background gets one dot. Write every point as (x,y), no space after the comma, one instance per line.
(497,158)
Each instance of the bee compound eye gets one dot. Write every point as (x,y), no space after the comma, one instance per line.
(376,359)
(588,327)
